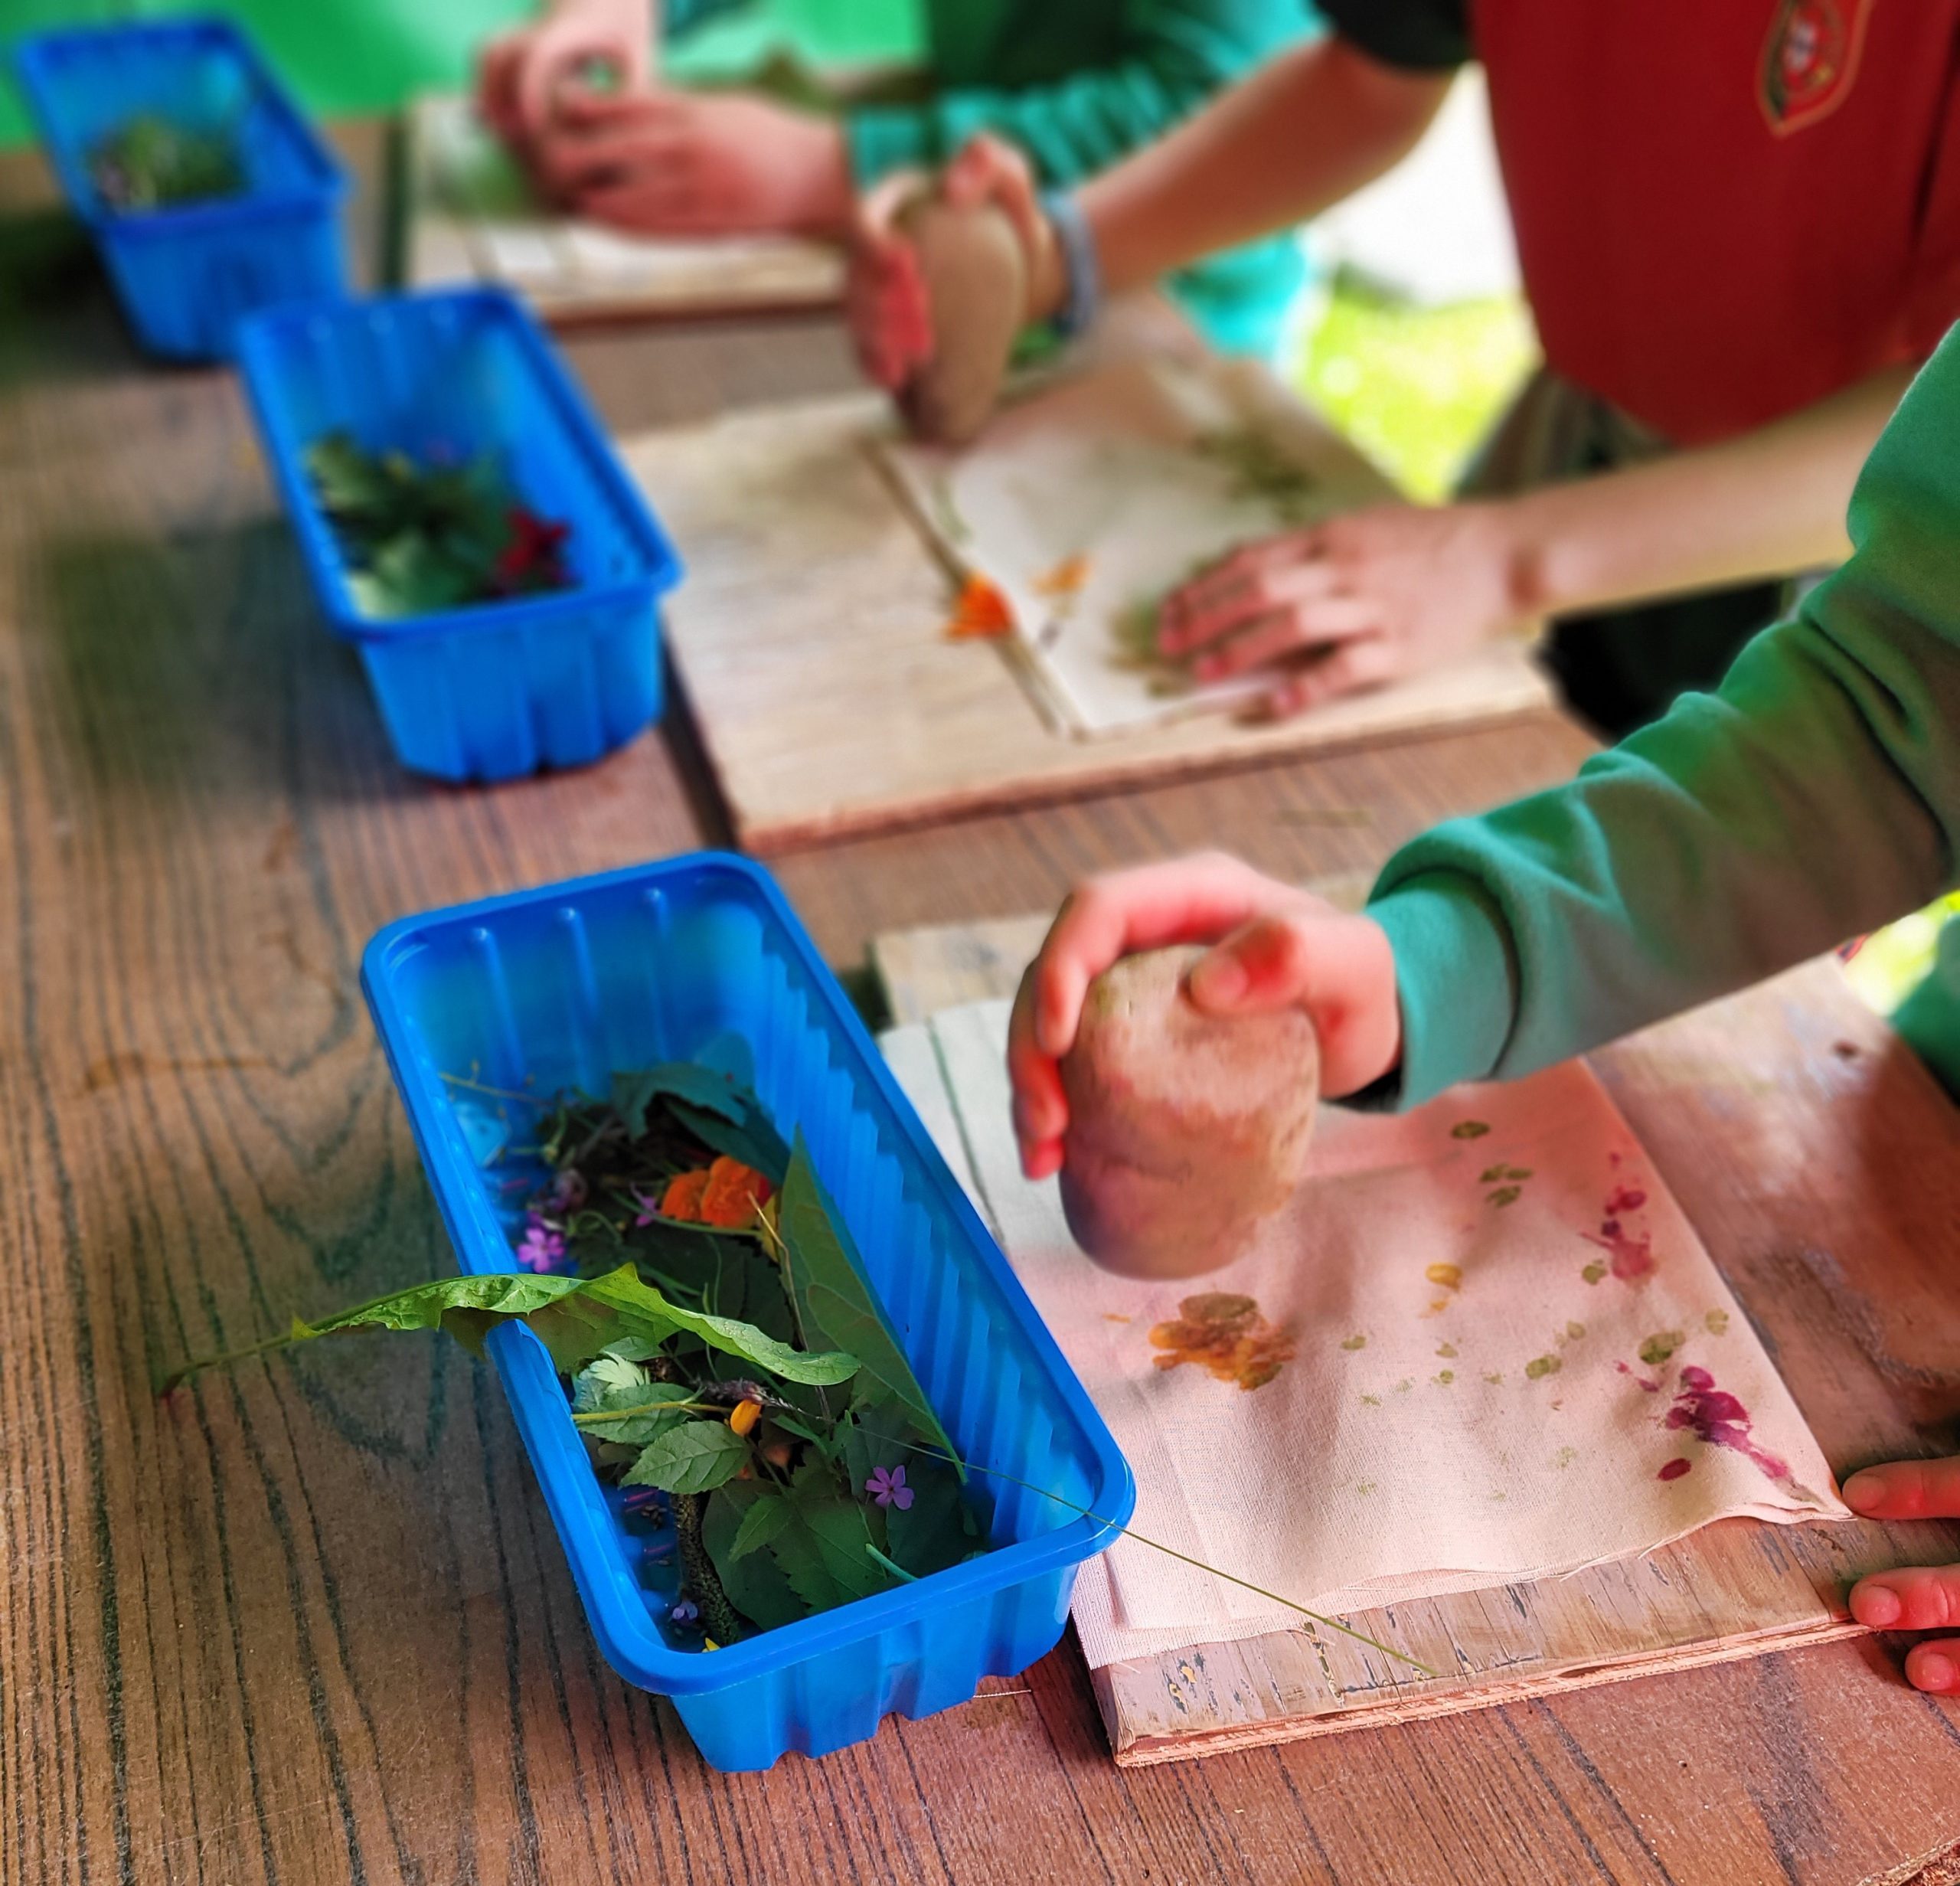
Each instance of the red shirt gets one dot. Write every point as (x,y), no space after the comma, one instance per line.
(1726,209)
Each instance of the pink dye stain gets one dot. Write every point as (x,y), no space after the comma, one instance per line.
(1675,1468)
(1717,1419)
(1629,1249)
(1648,1385)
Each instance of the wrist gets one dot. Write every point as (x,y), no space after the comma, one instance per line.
(832,196)
(1070,281)
(1524,553)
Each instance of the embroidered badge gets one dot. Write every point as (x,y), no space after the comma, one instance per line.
(1810,60)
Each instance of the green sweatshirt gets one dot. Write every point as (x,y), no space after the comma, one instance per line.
(1814,796)
(1079,83)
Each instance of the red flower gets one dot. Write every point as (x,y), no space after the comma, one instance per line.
(533,556)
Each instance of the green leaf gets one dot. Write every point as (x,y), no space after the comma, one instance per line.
(822,1549)
(634,1407)
(938,1529)
(765,1517)
(692,1458)
(575,1317)
(754,1582)
(832,1297)
(632,1094)
(751,1139)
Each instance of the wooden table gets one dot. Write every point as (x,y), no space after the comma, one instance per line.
(311,1623)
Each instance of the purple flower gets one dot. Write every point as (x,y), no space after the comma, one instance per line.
(541,1249)
(638,1500)
(649,1209)
(886,1486)
(569,1190)
(685,1612)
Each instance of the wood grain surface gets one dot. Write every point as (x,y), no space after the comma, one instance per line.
(308,1623)
(1732,1590)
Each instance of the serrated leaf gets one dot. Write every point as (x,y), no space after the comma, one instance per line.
(755,1584)
(822,1549)
(766,1517)
(635,1408)
(695,1457)
(831,1296)
(707,1087)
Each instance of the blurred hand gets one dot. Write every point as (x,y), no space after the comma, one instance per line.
(1918,1597)
(696,164)
(1276,946)
(1351,603)
(885,298)
(519,76)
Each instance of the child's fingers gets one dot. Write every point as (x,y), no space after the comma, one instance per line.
(1297,630)
(1906,1489)
(1914,1597)
(1935,1667)
(1040,1109)
(1227,596)
(1367,661)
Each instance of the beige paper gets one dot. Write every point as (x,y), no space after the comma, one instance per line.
(1489,1348)
(1089,497)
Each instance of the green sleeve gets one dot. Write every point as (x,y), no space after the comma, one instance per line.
(1815,795)
(1166,58)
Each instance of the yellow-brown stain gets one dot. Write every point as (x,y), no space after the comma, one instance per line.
(1226,1335)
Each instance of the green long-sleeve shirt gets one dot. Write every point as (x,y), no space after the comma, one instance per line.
(1814,796)
(1079,85)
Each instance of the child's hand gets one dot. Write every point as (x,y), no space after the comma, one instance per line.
(519,74)
(885,299)
(1361,600)
(696,164)
(1916,1597)
(1276,945)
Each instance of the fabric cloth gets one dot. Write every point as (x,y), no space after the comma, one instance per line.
(1724,212)
(1620,667)
(1088,499)
(1481,1345)
(1078,86)
(1814,796)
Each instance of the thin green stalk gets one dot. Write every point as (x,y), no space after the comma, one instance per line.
(594,1417)
(1170,1552)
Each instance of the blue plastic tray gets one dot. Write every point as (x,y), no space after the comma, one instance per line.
(497,690)
(186,276)
(560,987)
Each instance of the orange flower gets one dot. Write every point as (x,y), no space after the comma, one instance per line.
(735,1191)
(1066,578)
(682,1199)
(981,611)
(746,1414)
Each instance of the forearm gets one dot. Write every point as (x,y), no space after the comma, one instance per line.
(1816,795)
(1764,505)
(1299,135)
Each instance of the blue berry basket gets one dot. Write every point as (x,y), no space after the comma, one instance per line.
(497,690)
(186,275)
(557,987)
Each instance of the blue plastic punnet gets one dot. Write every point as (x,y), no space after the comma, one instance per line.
(186,275)
(498,689)
(558,987)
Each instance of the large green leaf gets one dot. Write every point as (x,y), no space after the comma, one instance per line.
(692,1458)
(833,1300)
(616,1400)
(575,1317)
(766,1517)
(752,1139)
(633,1092)
(754,1582)
(822,1547)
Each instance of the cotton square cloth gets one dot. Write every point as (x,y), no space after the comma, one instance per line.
(1482,1345)
(1090,496)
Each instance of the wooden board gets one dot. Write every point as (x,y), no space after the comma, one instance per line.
(808,633)
(1736,1590)
(574,273)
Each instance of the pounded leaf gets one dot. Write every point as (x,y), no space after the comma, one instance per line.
(833,1298)
(692,1458)
(754,1582)
(575,1317)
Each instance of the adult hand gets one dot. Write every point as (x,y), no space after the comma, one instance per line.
(1916,1597)
(1356,601)
(696,164)
(885,298)
(1276,946)
(519,76)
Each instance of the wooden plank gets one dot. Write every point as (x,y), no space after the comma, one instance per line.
(1735,1591)
(807,635)
(311,1624)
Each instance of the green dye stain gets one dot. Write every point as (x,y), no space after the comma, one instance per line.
(1364,1488)
(1540,1366)
(1661,1345)
(1469,1130)
(1717,1322)
(1405,1384)
(1505,1195)
(1565,1457)
(1445,1376)
(1593,1272)
(1355,1342)
(1447,1350)
(1495,1375)
(1574,1331)
(1371,1401)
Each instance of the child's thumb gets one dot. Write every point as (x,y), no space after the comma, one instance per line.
(1261,965)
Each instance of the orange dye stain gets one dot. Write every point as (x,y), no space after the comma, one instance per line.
(1066,578)
(1445,1277)
(1226,1335)
(980,611)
